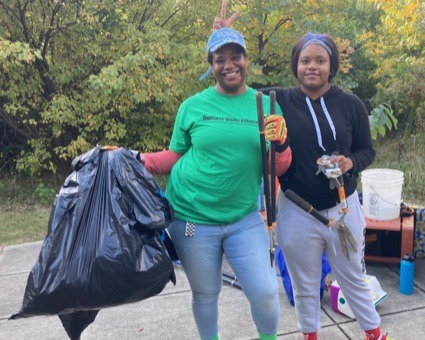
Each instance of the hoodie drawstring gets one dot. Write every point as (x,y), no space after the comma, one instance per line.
(316,123)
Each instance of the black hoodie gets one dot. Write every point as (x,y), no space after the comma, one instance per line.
(351,137)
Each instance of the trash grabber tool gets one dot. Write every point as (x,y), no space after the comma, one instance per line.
(226,277)
(231,280)
(262,128)
(307,207)
(272,95)
(343,232)
(334,174)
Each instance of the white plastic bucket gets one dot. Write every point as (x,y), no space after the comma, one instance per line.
(381,190)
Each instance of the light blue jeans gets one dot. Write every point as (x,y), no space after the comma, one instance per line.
(246,246)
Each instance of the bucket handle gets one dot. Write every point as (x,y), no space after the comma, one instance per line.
(395,203)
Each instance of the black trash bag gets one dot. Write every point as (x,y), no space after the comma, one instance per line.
(103,247)
(168,242)
(75,323)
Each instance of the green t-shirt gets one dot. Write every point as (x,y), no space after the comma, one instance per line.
(217,180)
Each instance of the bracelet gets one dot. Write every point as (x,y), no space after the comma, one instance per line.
(282,147)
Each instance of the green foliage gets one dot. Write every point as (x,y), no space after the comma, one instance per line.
(45,194)
(110,72)
(22,216)
(267,28)
(115,71)
(77,73)
(398,48)
(404,152)
(404,90)
(23,223)
(23,219)
(382,118)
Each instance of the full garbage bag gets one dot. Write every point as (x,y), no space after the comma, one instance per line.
(103,246)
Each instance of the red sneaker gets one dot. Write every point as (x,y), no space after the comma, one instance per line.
(381,337)
(310,336)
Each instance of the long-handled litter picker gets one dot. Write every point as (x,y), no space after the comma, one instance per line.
(231,279)
(272,96)
(307,207)
(269,197)
(226,277)
(343,232)
(334,174)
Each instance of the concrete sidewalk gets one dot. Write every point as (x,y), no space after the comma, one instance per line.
(168,315)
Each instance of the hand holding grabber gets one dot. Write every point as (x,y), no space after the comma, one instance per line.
(334,174)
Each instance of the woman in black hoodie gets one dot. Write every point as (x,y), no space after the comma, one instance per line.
(324,123)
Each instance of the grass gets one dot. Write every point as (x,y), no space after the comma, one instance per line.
(25,204)
(25,207)
(21,224)
(406,154)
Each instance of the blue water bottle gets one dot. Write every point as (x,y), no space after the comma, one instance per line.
(407,274)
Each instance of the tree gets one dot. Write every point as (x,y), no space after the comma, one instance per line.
(78,73)
(397,48)
(74,74)
(271,29)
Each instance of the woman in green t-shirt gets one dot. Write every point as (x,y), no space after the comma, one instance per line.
(215,172)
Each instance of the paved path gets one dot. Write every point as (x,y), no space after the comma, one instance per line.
(168,315)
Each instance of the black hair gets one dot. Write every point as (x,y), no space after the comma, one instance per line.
(330,47)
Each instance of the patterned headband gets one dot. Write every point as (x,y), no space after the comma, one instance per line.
(317,41)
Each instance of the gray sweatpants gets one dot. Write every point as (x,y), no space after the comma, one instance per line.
(303,239)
